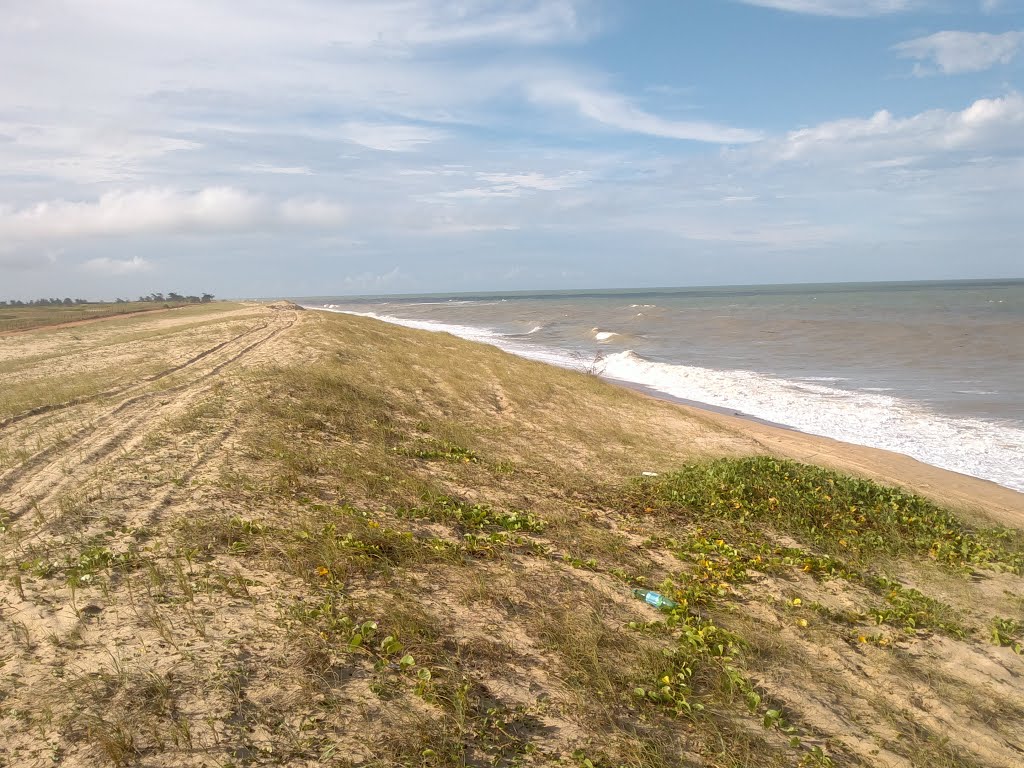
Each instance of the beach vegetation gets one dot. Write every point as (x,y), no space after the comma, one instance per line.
(1008,633)
(341,548)
(848,517)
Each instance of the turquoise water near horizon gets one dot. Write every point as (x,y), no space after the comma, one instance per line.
(931,369)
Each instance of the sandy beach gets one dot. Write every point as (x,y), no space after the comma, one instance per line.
(252,534)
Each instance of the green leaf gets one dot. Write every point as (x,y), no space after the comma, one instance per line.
(753,700)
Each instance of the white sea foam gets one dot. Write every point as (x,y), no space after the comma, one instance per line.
(465,331)
(985,449)
(475,333)
(535,329)
(603,335)
(976,447)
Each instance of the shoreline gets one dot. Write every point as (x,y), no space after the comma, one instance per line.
(966,492)
(645,389)
(657,394)
(1009,501)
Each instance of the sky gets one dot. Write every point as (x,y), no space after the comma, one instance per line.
(331,147)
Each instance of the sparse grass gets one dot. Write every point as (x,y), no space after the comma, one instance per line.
(25,318)
(18,397)
(389,559)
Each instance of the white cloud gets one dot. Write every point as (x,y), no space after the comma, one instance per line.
(953,52)
(615,111)
(846,8)
(390,138)
(987,125)
(121,213)
(162,211)
(108,266)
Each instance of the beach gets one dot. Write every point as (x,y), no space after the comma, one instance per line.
(928,369)
(255,534)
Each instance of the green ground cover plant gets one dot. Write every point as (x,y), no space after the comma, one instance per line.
(845,516)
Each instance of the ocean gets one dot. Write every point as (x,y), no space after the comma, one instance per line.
(933,370)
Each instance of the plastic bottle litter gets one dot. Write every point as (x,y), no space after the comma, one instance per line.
(656,599)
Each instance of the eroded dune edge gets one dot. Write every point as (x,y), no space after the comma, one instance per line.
(241,535)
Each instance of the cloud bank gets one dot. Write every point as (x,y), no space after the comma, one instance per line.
(163,211)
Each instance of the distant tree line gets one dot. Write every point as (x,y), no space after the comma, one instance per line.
(156,298)
(43,303)
(172,297)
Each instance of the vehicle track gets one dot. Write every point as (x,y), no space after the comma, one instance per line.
(49,473)
(52,407)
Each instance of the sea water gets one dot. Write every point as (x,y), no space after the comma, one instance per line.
(932,370)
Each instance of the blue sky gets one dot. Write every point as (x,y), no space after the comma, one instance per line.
(375,146)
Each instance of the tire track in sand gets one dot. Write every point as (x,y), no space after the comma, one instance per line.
(124,427)
(52,407)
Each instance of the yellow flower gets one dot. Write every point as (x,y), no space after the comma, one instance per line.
(797,601)
(802,622)
(322,571)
